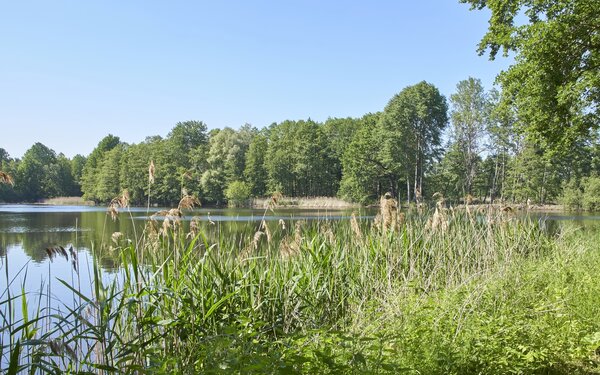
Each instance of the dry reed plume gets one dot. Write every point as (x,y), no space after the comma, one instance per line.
(55,251)
(151,171)
(274,201)
(265,228)
(252,246)
(194,227)
(439,220)
(58,348)
(388,212)
(116,236)
(326,230)
(355,226)
(188,202)
(5,178)
(291,247)
(121,201)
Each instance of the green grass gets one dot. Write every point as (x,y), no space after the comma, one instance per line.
(483,295)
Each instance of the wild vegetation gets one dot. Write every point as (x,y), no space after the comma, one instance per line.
(445,292)
(440,291)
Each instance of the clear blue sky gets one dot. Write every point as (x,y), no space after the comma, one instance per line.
(72,72)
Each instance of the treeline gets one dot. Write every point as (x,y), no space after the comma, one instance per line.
(468,148)
(40,174)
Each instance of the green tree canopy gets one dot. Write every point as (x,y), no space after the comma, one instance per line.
(470,114)
(38,174)
(90,173)
(555,81)
(410,132)
(255,172)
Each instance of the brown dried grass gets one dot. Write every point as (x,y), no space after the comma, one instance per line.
(290,247)
(265,228)
(388,209)
(355,226)
(5,178)
(121,201)
(151,172)
(188,202)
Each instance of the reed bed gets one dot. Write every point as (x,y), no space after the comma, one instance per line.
(441,292)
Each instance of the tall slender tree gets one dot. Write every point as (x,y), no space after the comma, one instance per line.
(410,129)
(469,116)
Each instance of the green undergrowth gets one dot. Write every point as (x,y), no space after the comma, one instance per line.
(477,294)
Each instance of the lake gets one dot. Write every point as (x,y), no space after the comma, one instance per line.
(26,231)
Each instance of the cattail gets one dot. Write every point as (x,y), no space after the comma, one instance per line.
(151,172)
(5,178)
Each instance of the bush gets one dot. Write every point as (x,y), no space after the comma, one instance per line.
(237,194)
(572,195)
(584,195)
(591,193)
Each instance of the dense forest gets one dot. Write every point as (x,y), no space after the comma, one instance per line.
(471,146)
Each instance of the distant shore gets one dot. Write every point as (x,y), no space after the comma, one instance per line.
(320,202)
(305,202)
(66,201)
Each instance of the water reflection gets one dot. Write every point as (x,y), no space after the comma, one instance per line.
(30,229)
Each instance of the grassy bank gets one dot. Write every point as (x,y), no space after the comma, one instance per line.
(462,293)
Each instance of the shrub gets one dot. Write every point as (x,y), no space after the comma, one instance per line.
(591,193)
(237,194)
